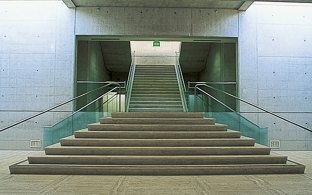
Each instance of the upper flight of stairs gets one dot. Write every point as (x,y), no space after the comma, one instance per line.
(155,89)
(157,143)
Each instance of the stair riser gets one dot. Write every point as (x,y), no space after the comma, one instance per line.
(151,82)
(154,69)
(136,95)
(128,170)
(157,106)
(144,100)
(157,121)
(163,160)
(156,93)
(155,99)
(158,115)
(107,127)
(155,135)
(158,143)
(157,74)
(156,77)
(155,110)
(154,85)
(155,170)
(153,106)
(157,151)
(157,102)
(137,89)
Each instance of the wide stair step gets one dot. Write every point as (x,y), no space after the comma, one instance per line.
(156,102)
(208,121)
(155,110)
(57,149)
(155,95)
(174,106)
(157,134)
(151,143)
(153,115)
(155,127)
(157,142)
(158,92)
(237,169)
(158,160)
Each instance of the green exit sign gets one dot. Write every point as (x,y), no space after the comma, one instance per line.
(156,44)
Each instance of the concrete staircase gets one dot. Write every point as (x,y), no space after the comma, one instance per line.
(156,143)
(155,89)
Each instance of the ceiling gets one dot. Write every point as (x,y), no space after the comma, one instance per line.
(211,4)
(220,4)
(193,56)
(116,55)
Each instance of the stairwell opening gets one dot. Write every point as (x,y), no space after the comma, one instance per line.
(214,61)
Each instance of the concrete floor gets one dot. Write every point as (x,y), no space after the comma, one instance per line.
(160,185)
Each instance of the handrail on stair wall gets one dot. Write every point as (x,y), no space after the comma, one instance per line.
(107,84)
(130,82)
(85,106)
(197,87)
(181,82)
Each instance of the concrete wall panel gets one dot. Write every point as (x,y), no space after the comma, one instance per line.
(274,68)
(156,21)
(37,67)
(207,22)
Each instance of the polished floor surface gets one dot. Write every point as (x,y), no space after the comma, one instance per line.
(160,185)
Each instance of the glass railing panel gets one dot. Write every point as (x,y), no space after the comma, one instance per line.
(68,126)
(62,119)
(84,86)
(241,124)
(234,120)
(89,113)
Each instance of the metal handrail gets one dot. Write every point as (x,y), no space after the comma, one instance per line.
(180,71)
(181,82)
(85,106)
(121,83)
(214,98)
(61,104)
(258,107)
(129,83)
(190,83)
(228,107)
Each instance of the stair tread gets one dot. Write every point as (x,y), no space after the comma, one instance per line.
(161,156)
(157,115)
(26,168)
(58,145)
(158,134)
(138,120)
(161,125)
(157,127)
(164,132)
(161,139)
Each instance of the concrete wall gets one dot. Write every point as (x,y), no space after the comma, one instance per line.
(275,68)
(221,67)
(37,48)
(156,21)
(37,66)
(90,67)
(147,54)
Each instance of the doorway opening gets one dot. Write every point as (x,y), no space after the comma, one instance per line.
(213,61)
